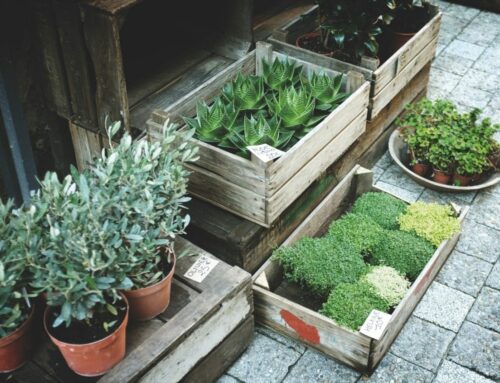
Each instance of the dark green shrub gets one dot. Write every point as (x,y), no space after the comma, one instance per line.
(350,304)
(381,207)
(320,263)
(403,251)
(359,231)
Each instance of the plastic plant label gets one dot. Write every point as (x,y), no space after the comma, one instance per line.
(201,268)
(265,152)
(375,324)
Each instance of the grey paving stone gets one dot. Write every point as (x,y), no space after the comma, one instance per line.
(452,25)
(444,306)
(478,34)
(422,343)
(377,172)
(394,175)
(494,278)
(486,309)
(445,37)
(441,4)
(490,20)
(385,161)
(404,194)
(492,113)
(289,342)
(486,210)
(464,49)
(489,61)
(478,349)
(315,367)
(396,370)
(459,198)
(495,101)
(434,93)
(479,240)
(452,63)
(464,272)
(450,372)
(443,80)
(469,96)
(227,379)
(481,80)
(265,361)
(462,12)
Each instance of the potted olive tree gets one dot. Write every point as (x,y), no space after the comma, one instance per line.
(80,272)
(19,239)
(143,186)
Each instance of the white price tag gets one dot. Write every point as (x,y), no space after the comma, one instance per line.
(265,152)
(375,324)
(201,268)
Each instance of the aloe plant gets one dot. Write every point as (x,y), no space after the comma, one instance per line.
(246,92)
(294,107)
(325,90)
(281,73)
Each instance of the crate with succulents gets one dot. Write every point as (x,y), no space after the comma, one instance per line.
(350,275)
(445,149)
(102,258)
(267,127)
(388,41)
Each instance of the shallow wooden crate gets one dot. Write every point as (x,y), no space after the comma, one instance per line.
(205,328)
(289,310)
(243,243)
(259,191)
(389,78)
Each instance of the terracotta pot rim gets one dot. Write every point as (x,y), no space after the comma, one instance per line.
(406,34)
(154,287)
(20,331)
(103,342)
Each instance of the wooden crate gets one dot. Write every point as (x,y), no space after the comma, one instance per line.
(259,191)
(243,243)
(282,306)
(205,328)
(389,78)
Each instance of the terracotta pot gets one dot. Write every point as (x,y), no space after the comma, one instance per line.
(96,358)
(461,180)
(396,40)
(420,169)
(476,177)
(15,348)
(441,177)
(311,35)
(149,302)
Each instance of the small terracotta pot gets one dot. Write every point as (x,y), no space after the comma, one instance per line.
(441,177)
(396,40)
(461,180)
(311,35)
(476,177)
(149,302)
(420,169)
(15,348)
(96,358)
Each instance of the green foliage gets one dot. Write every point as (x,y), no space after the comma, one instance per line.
(403,251)
(325,90)
(431,221)
(281,74)
(320,264)
(351,303)
(381,207)
(294,107)
(361,232)
(245,92)
(388,283)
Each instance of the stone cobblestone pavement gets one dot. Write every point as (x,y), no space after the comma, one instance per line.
(453,335)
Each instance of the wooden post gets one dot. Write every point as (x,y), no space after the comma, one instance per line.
(354,81)
(263,52)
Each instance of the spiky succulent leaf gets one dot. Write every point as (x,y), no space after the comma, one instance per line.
(281,73)
(294,107)
(245,92)
(326,90)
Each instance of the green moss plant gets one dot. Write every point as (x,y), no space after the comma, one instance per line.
(431,221)
(350,304)
(405,252)
(320,264)
(381,207)
(388,283)
(358,230)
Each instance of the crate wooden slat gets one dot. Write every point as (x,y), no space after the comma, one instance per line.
(389,78)
(206,326)
(300,322)
(246,244)
(261,192)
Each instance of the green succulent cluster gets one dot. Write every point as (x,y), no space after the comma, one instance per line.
(381,208)
(276,108)
(439,135)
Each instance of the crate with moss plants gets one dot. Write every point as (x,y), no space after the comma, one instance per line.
(267,127)
(361,253)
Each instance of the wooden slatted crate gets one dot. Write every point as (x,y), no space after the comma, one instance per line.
(389,78)
(284,306)
(205,328)
(259,191)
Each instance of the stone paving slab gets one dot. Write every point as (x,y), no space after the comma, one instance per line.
(397,370)
(444,306)
(494,278)
(486,309)
(404,194)
(478,349)
(479,240)
(464,272)
(462,199)
(450,372)
(422,343)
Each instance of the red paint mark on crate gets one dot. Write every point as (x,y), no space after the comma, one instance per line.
(304,330)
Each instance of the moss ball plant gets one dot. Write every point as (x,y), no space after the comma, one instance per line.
(381,207)
(431,221)
(320,263)
(388,283)
(350,304)
(360,231)
(403,251)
